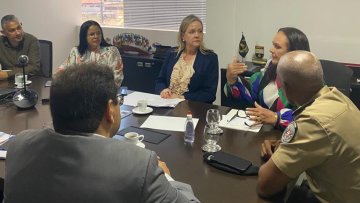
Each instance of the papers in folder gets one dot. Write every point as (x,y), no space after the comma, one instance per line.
(238,123)
(152,99)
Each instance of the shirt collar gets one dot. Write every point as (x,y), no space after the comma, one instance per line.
(308,103)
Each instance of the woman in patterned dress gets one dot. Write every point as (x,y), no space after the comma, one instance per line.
(93,48)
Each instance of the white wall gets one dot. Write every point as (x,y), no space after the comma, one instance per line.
(51,20)
(330,25)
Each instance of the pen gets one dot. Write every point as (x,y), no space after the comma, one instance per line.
(232,118)
(251,125)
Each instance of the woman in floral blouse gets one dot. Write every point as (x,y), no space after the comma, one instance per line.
(93,48)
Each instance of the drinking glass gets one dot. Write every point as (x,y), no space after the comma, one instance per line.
(213,117)
(211,137)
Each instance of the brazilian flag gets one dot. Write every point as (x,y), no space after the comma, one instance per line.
(243,47)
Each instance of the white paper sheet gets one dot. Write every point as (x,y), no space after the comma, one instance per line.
(152,99)
(167,123)
(238,123)
(3,154)
(4,137)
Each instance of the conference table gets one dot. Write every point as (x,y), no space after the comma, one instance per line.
(185,162)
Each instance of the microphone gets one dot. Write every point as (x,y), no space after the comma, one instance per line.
(25,98)
(23,60)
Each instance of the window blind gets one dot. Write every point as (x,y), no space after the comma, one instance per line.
(161,14)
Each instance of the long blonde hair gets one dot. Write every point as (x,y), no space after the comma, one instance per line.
(182,29)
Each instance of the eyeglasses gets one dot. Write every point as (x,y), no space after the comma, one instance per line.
(93,34)
(120,99)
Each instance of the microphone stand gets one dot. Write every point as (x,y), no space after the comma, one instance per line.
(25,98)
(24,81)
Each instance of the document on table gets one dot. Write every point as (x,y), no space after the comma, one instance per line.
(4,138)
(152,100)
(3,154)
(238,123)
(167,123)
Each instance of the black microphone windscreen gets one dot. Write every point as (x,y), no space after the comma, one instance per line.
(23,59)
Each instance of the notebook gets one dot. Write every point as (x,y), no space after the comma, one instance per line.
(151,136)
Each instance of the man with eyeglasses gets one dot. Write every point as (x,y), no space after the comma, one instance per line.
(16,42)
(78,162)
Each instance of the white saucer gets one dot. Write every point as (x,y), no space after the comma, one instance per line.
(136,110)
(140,144)
(28,82)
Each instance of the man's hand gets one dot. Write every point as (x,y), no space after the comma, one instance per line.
(234,69)
(268,147)
(164,167)
(3,75)
(262,115)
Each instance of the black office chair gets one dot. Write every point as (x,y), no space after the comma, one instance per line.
(337,75)
(46,58)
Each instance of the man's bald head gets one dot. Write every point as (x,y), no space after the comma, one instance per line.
(300,72)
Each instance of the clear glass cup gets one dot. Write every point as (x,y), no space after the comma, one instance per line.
(213,117)
(211,137)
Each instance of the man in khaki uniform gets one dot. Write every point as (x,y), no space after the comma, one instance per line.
(323,141)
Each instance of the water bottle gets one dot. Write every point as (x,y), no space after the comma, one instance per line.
(189,135)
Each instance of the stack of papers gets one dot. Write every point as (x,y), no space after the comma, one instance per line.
(167,123)
(238,123)
(4,138)
(152,100)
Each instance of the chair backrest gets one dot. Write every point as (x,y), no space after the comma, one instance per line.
(46,58)
(337,75)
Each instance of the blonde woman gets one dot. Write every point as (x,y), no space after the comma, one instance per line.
(191,72)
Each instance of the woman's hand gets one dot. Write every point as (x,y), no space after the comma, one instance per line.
(166,93)
(262,115)
(234,69)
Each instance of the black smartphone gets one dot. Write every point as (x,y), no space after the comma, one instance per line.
(227,162)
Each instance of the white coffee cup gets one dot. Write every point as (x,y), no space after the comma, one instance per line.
(19,80)
(133,137)
(142,105)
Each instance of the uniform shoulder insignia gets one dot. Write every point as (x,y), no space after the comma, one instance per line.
(289,133)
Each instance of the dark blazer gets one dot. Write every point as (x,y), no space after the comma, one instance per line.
(45,166)
(203,84)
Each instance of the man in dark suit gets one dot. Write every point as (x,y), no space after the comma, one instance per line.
(78,162)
